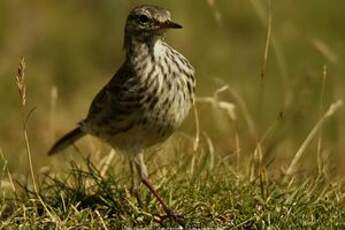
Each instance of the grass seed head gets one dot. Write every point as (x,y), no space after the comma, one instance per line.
(20,81)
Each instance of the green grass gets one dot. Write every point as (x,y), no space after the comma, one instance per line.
(205,197)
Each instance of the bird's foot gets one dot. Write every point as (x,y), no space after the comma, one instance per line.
(135,192)
(170,214)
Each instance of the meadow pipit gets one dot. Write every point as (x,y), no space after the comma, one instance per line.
(147,99)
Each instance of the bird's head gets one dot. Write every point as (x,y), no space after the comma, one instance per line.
(149,21)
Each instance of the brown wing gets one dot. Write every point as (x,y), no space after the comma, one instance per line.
(115,106)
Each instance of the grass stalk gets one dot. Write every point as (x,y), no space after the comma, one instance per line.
(263,73)
(21,85)
(268,41)
(330,112)
(197,129)
(107,163)
(278,52)
(9,175)
(20,82)
(53,102)
(320,139)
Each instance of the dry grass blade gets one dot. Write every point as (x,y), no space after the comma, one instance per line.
(210,151)
(107,163)
(325,50)
(228,107)
(216,13)
(237,151)
(319,142)
(6,170)
(256,163)
(268,40)
(278,53)
(197,129)
(245,111)
(101,219)
(53,101)
(293,165)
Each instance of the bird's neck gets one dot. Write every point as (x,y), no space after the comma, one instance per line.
(137,46)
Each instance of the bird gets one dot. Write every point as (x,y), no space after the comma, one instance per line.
(146,100)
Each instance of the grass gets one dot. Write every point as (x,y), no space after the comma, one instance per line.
(205,196)
(241,169)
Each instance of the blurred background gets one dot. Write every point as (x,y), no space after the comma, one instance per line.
(73,47)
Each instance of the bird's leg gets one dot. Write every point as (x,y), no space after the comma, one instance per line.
(142,170)
(134,183)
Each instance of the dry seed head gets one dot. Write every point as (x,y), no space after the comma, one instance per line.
(20,80)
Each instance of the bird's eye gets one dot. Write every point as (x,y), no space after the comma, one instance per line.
(143,18)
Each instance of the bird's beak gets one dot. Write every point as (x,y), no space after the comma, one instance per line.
(169,25)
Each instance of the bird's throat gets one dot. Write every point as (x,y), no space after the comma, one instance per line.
(137,45)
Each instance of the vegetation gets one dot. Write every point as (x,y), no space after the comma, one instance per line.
(264,150)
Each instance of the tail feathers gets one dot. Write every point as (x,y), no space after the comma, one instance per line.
(67,140)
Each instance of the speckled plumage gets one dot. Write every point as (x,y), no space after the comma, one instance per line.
(146,100)
(149,96)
